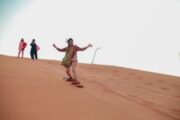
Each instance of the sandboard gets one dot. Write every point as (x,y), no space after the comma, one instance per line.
(79,86)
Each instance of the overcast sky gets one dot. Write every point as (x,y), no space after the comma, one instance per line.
(140,34)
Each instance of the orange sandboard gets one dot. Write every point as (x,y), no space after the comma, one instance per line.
(79,86)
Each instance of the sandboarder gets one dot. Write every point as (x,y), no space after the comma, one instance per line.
(70,59)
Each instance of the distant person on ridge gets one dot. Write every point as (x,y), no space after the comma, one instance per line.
(34,48)
(70,59)
(21,48)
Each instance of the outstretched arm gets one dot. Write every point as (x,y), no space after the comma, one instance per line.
(59,49)
(84,48)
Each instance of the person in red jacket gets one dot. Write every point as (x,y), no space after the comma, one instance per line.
(70,59)
(21,48)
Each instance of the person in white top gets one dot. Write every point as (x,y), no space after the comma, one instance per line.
(70,59)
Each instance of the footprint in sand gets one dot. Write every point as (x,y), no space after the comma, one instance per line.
(149,84)
(176,111)
(177,97)
(139,77)
(161,81)
(148,102)
(126,78)
(176,86)
(133,96)
(139,87)
(165,88)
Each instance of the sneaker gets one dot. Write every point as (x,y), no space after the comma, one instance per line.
(69,79)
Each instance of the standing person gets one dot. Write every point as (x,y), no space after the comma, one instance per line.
(21,48)
(70,59)
(33,51)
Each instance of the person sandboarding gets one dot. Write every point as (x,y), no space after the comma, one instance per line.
(70,60)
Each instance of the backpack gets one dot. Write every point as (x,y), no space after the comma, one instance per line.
(66,61)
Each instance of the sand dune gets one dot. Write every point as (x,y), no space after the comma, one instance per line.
(35,90)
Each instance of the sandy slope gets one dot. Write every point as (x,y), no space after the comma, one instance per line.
(35,90)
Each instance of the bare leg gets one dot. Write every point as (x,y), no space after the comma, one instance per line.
(68,72)
(74,64)
(75,82)
(22,53)
(19,53)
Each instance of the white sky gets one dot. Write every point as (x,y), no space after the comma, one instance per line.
(140,34)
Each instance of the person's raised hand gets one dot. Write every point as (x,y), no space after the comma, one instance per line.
(90,45)
(54,45)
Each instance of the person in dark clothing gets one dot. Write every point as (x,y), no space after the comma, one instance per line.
(33,51)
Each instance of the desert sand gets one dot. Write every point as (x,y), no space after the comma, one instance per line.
(35,90)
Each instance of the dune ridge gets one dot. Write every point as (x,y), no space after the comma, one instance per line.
(35,90)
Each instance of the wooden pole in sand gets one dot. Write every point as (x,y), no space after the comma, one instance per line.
(95,54)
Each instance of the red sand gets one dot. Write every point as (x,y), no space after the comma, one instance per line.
(35,90)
